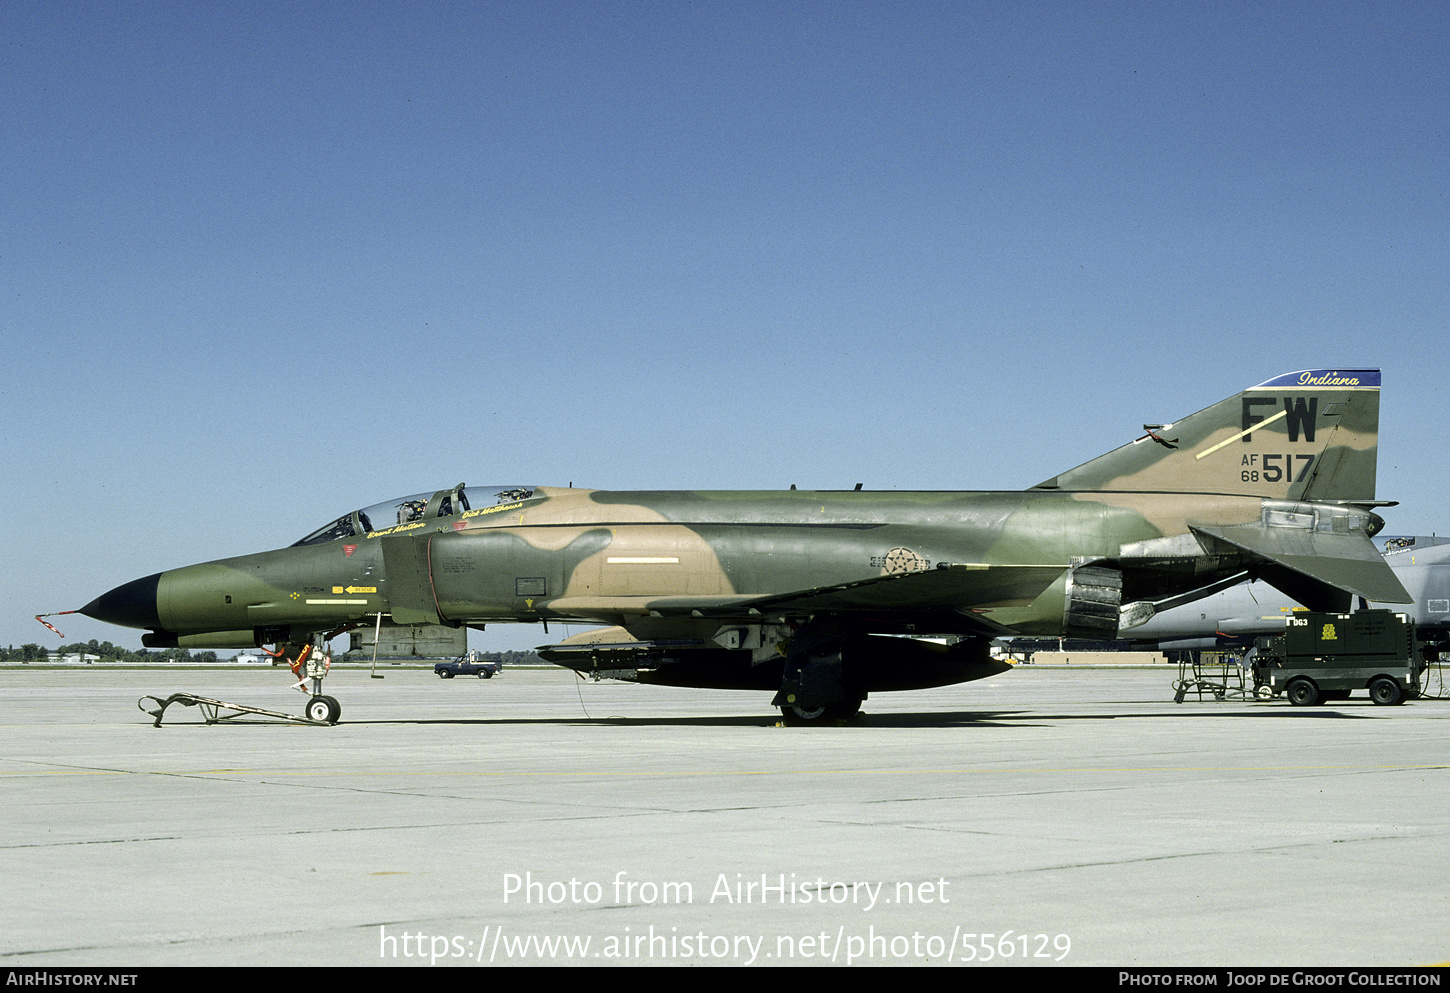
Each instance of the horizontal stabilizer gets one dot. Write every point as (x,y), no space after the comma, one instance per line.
(1302,562)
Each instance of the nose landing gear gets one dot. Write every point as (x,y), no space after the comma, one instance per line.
(305,663)
(309,663)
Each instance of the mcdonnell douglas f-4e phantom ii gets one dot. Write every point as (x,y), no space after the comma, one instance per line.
(824,597)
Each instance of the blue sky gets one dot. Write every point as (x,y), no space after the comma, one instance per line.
(264,263)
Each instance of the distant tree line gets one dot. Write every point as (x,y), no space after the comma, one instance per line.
(107,652)
(103,650)
(514,658)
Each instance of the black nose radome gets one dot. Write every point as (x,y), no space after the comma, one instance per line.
(131,605)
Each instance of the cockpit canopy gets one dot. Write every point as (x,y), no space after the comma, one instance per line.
(420,507)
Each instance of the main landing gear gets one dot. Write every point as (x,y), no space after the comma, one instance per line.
(816,688)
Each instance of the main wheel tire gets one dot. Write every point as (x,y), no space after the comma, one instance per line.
(1386,692)
(802,715)
(824,714)
(1302,692)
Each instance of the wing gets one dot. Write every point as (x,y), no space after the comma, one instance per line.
(949,598)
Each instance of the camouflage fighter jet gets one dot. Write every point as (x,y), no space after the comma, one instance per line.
(825,596)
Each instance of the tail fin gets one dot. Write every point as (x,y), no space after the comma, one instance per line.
(1310,435)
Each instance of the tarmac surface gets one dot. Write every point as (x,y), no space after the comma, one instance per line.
(1046,817)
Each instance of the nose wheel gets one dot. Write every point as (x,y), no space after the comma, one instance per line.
(323,708)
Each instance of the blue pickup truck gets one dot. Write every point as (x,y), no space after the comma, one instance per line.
(468,665)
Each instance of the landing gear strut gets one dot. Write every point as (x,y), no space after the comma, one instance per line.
(308,662)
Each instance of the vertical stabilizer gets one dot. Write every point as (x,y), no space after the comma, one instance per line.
(1309,435)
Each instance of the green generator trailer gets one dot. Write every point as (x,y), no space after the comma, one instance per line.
(1323,657)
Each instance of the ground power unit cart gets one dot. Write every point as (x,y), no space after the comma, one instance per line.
(1323,657)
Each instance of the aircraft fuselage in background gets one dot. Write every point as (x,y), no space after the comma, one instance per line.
(1232,618)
